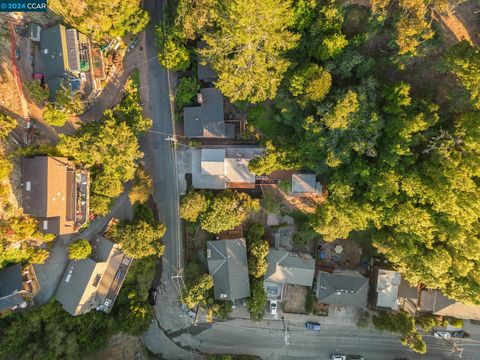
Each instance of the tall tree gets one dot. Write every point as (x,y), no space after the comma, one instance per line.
(247,47)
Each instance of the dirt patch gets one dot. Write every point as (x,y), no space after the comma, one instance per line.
(349,256)
(123,347)
(294,300)
(306,203)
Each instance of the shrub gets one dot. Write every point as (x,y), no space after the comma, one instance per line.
(38,93)
(53,116)
(142,187)
(79,249)
(187,88)
(100,204)
(309,302)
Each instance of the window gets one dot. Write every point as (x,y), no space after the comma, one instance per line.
(45,224)
(28,186)
(209,253)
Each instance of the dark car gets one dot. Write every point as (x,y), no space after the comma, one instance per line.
(356,357)
(459,334)
(314,326)
(152,296)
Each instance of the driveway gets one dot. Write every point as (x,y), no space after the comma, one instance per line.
(50,274)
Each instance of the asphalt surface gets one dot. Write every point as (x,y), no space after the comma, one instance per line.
(160,152)
(267,340)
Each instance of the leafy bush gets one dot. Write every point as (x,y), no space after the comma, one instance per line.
(198,292)
(257,251)
(172,53)
(309,302)
(258,299)
(142,187)
(79,249)
(38,93)
(186,90)
(7,124)
(54,117)
(194,204)
(100,204)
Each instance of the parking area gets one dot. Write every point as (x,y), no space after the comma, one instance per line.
(294,300)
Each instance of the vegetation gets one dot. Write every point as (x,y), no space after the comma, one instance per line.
(7,124)
(257,251)
(258,299)
(38,93)
(69,101)
(227,210)
(310,302)
(186,90)
(102,20)
(142,187)
(198,292)
(52,116)
(79,249)
(403,324)
(193,204)
(172,53)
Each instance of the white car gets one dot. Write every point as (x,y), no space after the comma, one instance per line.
(442,334)
(338,357)
(273,307)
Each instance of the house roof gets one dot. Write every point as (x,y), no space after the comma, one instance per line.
(206,120)
(289,268)
(204,71)
(434,301)
(227,263)
(11,283)
(209,171)
(86,283)
(72,49)
(303,183)
(55,57)
(388,283)
(49,192)
(348,288)
(405,291)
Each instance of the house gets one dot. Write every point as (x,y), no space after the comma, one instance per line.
(227,263)
(387,285)
(305,184)
(222,168)
(207,120)
(285,267)
(416,299)
(345,287)
(34,32)
(95,282)
(55,191)
(204,71)
(17,287)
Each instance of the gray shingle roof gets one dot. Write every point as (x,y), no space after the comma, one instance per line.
(348,288)
(10,284)
(303,183)
(387,288)
(290,268)
(227,263)
(206,120)
(55,57)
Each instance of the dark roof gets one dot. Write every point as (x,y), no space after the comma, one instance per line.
(11,284)
(405,291)
(55,57)
(101,248)
(206,120)
(48,192)
(227,263)
(72,49)
(348,288)
(204,71)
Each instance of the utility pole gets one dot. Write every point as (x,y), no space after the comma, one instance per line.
(287,335)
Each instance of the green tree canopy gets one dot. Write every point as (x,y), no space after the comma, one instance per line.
(257,300)
(257,250)
(227,210)
(247,47)
(197,293)
(38,93)
(186,90)
(193,204)
(7,124)
(53,116)
(79,249)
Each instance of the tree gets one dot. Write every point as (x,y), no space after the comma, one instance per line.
(187,89)
(193,205)
(142,187)
(100,204)
(22,229)
(310,81)
(463,60)
(54,117)
(227,210)
(273,159)
(7,124)
(197,293)
(6,168)
(257,300)
(38,93)
(140,238)
(247,48)
(193,16)
(39,256)
(79,249)
(172,53)
(257,251)
(69,101)
(102,19)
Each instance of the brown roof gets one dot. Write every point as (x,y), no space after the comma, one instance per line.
(49,192)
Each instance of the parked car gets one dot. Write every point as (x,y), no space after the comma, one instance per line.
(355,357)
(152,296)
(338,357)
(442,334)
(273,307)
(17,53)
(311,325)
(187,310)
(459,334)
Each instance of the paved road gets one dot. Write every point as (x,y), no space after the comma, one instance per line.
(267,339)
(159,152)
